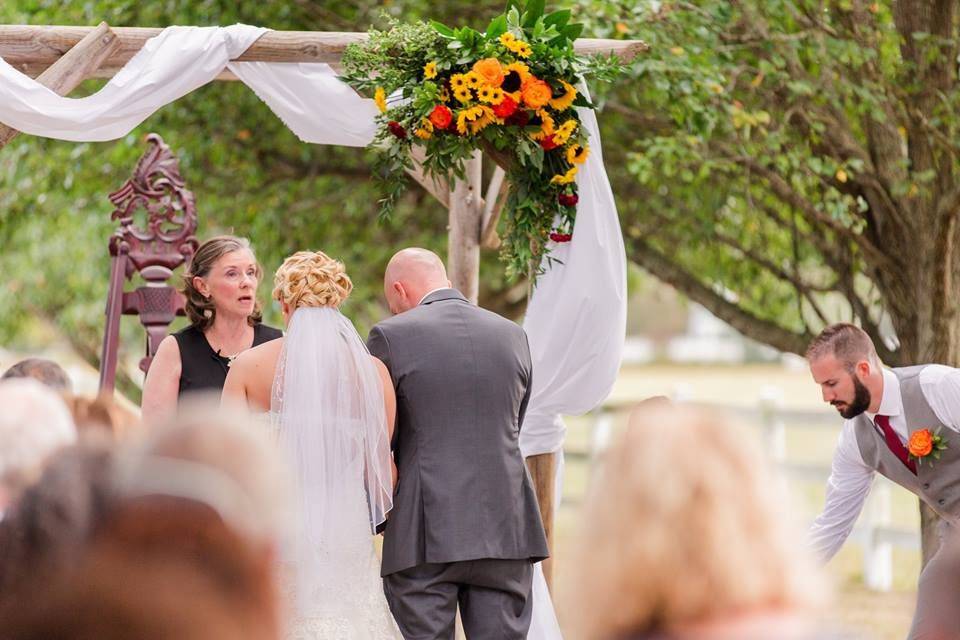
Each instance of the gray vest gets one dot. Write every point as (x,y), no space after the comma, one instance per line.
(938,484)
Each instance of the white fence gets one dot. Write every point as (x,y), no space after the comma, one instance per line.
(874,531)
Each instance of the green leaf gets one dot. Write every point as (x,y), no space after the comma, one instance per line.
(533,12)
(442,29)
(572,31)
(557,18)
(497,27)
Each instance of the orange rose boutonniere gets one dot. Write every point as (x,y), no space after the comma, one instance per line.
(924,444)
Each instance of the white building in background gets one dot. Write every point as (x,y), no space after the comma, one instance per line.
(705,340)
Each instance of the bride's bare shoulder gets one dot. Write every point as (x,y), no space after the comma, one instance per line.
(260,356)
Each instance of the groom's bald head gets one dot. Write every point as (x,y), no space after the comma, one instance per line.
(411,274)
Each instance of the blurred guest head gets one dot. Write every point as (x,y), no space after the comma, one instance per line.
(46,532)
(686,535)
(206,492)
(34,423)
(244,478)
(45,371)
(116,595)
(101,414)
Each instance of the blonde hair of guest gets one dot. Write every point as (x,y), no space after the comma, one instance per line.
(685,524)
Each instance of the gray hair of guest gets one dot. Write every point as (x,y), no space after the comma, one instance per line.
(43,370)
(34,424)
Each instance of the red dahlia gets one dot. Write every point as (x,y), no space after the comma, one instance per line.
(506,108)
(568,199)
(397,129)
(548,143)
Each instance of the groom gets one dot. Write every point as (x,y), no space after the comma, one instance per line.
(465,528)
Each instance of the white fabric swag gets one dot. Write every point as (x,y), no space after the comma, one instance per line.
(576,317)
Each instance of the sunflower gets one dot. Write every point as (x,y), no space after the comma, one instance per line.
(490,95)
(430,70)
(564,178)
(458,81)
(474,79)
(514,75)
(564,131)
(486,118)
(577,154)
(563,102)
(519,47)
(425,132)
(463,95)
(380,98)
(468,116)
(507,39)
(546,127)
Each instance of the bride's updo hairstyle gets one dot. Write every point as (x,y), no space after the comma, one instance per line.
(311,279)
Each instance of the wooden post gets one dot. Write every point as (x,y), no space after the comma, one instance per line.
(543,472)
(463,247)
(75,66)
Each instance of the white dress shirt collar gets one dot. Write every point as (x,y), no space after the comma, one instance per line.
(430,292)
(891,404)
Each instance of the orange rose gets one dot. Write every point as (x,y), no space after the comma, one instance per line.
(921,443)
(490,70)
(536,93)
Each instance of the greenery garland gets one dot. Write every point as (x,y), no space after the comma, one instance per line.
(509,91)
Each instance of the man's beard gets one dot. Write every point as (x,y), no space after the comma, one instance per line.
(861,400)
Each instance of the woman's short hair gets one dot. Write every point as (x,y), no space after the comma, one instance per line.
(311,279)
(200,310)
(686,523)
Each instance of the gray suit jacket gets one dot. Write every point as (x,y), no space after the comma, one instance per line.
(463,377)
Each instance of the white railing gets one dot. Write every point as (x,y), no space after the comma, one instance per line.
(874,531)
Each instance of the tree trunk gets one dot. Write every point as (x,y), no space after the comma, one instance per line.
(928,334)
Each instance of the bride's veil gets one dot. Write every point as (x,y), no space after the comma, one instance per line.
(328,408)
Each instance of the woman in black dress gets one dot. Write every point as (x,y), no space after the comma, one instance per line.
(220,286)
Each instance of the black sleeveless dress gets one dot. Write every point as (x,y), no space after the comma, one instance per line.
(202,368)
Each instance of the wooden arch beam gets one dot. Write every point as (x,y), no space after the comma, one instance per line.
(33,46)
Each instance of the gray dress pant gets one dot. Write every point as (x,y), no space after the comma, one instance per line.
(494,597)
(938,594)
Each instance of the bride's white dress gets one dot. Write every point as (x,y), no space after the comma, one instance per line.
(328,419)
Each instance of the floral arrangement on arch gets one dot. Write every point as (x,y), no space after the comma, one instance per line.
(509,91)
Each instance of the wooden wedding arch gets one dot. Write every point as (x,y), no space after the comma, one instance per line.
(61,57)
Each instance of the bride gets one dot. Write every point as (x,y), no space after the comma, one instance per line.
(332,406)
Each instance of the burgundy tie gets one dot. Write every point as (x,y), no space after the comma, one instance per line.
(894,444)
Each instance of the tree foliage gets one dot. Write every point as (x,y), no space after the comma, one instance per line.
(795,163)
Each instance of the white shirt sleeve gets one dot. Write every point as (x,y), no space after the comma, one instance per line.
(941,388)
(847,490)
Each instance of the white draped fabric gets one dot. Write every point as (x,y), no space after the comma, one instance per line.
(577,316)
